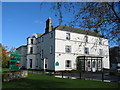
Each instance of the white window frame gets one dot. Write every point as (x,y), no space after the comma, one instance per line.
(41,54)
(100,41)
(31,50)
(51,49)
(100,51)
(86,49)
(68,47)
(42,39)
(32,41)
(67,36)
(68,65)
(51,35)
(86,38)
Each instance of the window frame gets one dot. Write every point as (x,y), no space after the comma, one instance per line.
(68,65)
(31,40)
(86,49)
(100,41)
(66,49)
(42,39)
(31,50)
(51,35)
(30,63)
(68,36)
(100,51)
(51,49)
(86,38)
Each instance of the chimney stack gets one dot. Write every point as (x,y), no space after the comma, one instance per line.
(48,25)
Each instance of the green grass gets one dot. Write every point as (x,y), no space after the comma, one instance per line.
(43,81)
(5,69)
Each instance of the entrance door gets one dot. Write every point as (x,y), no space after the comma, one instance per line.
(94,68)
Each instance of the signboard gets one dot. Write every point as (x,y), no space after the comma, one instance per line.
(15,60)
(57,64)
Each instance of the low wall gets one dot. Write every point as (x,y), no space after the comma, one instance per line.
(13,75)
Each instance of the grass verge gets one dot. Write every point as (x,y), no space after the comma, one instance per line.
(43,81)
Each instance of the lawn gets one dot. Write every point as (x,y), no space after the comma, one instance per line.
(43,81)
(5,69)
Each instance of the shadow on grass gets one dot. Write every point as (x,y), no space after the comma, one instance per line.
(43,81)
(33,83)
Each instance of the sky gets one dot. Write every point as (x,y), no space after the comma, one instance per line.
(22,19)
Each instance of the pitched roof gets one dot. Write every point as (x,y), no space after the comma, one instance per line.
(77,30)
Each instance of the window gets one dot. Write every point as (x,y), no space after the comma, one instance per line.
(39,40)
(88,63)
(42,54)
(86,50)
(99,64)
(42,39)
(68,49)
(100,52)
(51,49)
(68,36)
(68,63)
(93,64)
(31,41)
(86,38)
(31,50)
(46,64)
(51,35)
(100,41)
(30,63)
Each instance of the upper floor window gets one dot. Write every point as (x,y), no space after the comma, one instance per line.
(31,41)
(68,36)
(100,52)
(30,63)
(51,35)
(42,39)
(51,49)
(100,41)
(86,50)
(99,63)
(86,38)
(41,53)
(68,49)
(31,50)
(68,63)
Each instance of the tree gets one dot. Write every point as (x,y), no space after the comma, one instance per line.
(103,17)
(5,55)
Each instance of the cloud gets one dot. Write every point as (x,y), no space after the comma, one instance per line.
(38,22)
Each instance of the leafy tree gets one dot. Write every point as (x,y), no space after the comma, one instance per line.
(103,17)
(4,54)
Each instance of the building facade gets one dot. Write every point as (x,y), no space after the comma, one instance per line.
(67,48)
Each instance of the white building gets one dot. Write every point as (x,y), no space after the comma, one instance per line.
(67,48)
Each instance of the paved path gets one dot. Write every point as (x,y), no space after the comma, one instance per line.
(86,76)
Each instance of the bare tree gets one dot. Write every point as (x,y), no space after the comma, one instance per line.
(103,17)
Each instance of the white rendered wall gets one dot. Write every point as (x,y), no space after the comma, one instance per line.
(32,56)
(77,45)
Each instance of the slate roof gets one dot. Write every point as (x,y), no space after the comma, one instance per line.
(77,30)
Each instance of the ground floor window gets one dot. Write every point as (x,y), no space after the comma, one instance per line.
(88,63)
(68,63)
(30,63)
(93,64)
